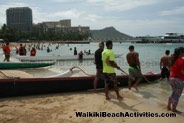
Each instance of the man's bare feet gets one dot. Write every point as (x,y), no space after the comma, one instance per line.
(129,88)
(173,110)
(168,108)
(136,88)
(120,97)
(107,98)
(95,91)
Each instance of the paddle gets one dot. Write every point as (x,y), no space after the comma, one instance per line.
(145,78)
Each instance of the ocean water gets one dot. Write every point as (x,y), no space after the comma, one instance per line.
(149,55)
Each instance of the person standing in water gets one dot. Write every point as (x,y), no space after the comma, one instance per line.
(164,65)
(7,51)
(176,78)
(75,51)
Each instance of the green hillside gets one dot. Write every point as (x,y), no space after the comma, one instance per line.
(109,33)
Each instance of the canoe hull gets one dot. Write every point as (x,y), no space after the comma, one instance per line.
(29,86)
(58,58)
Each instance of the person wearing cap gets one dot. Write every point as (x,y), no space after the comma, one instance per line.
(109,65)
(134,68)
(98,63)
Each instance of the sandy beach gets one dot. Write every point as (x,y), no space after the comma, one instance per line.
(62,107)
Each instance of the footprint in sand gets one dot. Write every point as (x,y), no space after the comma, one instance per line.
(46,101)
(68,98)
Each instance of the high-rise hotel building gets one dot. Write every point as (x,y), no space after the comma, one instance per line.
(20,18)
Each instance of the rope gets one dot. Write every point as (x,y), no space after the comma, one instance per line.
(145,78)
(134,78)
(127,74)
(119,69)
(81,70)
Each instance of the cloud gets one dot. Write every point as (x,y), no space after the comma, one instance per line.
(154,27)
(68,1)
(71,13)
(97,14)
(175,11)
(38,15)
(123,5)
(62,1)
(92,18)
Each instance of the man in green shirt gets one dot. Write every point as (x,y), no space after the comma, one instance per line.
(109,66)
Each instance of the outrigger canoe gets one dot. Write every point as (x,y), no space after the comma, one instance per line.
(30,86)
(19,65)
(57,58)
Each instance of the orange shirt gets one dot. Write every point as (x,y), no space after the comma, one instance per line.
(33,52)
(176,69)
(7,50)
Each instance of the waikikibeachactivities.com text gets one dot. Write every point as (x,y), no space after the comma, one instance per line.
(123,114)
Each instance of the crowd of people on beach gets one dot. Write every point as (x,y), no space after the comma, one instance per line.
(24,49)
(172,68)
(30,49)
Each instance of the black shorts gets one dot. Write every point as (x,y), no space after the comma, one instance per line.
(165,72)
(99,74)
(110,78)
(98,66)
(7,56)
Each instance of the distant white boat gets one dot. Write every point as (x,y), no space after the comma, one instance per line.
(57,58)
(169,43)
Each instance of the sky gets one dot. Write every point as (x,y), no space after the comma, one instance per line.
(132,17)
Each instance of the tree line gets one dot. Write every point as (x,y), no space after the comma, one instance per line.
(14,35)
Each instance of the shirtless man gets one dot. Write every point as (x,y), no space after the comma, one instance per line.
(164,65)
(134,68)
